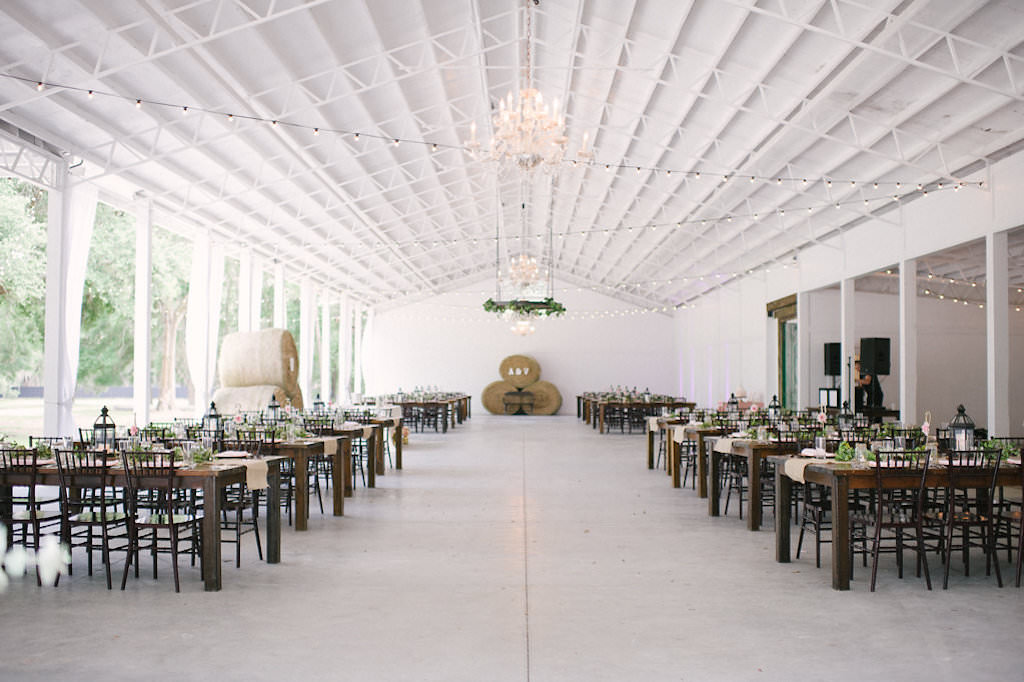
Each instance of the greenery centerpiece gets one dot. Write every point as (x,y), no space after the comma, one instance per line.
(845,452)
(543,308)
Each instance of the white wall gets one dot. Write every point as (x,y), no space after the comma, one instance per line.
(721,343)
(449,341)
(715,351)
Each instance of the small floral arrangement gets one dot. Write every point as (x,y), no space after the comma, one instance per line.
(845,452)
(202,455)
(1005,449)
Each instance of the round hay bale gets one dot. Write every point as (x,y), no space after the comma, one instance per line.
(231,399)
(493,396)
(264,358)
(546,398)
(294,394)
(520,370)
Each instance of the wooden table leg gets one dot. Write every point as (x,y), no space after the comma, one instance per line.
(714,481)
(702,466)
(371,470)
(398,443)
(301,491)
(346,462)
(754,488)
(783,509)
(840,533)
(600,419)
(338,479)
(378,451)
(677,464)
(211,535)
(274,513)
(650,448)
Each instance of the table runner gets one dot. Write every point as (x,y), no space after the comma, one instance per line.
(255,469)
(724,445)
(794,468)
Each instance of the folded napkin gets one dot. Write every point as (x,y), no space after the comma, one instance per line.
(794,468)
(724,445)
(820,453)
(255,469)
(330,445)
(652,423)
(678,434)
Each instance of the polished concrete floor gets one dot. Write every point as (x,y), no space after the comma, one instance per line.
(517,549)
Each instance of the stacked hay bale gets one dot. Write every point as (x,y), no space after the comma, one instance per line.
(520,386)
(254,366)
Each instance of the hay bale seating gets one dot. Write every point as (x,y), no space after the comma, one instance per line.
(520,390)
(253,366)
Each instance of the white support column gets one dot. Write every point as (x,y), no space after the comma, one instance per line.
(805,393)
(344,351)
(325,346)
(71,212)
(366,350)
(908,342)
(202,322)
(256,297)
(307,312)
(847,337)
(280,317)
(997,338)
(357,346)
(143,342)
(245,291)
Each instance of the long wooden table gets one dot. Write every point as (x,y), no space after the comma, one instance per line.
(755,452)
(842,477)
(702,435)
(211,478)
(637,405)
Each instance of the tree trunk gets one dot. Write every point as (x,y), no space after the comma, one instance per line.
(172,320)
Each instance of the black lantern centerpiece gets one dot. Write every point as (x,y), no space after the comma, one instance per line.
(732,406)
(273,410)
(318,405)
(774,409)
(212,420)
(961,430)
(104,431)
(845,420)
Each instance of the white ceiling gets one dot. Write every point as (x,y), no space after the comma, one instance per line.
(915,91)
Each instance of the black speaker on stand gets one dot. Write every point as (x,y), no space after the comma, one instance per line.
(833,364)
(874,356)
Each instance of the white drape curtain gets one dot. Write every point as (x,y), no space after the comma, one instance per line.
(256,298)
(142,381)
(202,322)
(344,351)
(280,314)
(72,213)
(357,342)
(245,291)
(325,347)
(307,315)
(367,355)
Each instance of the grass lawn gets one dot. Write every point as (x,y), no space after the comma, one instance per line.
(23,417)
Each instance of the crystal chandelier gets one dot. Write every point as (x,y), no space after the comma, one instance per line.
(527,134)
(522,325)
(523,271)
